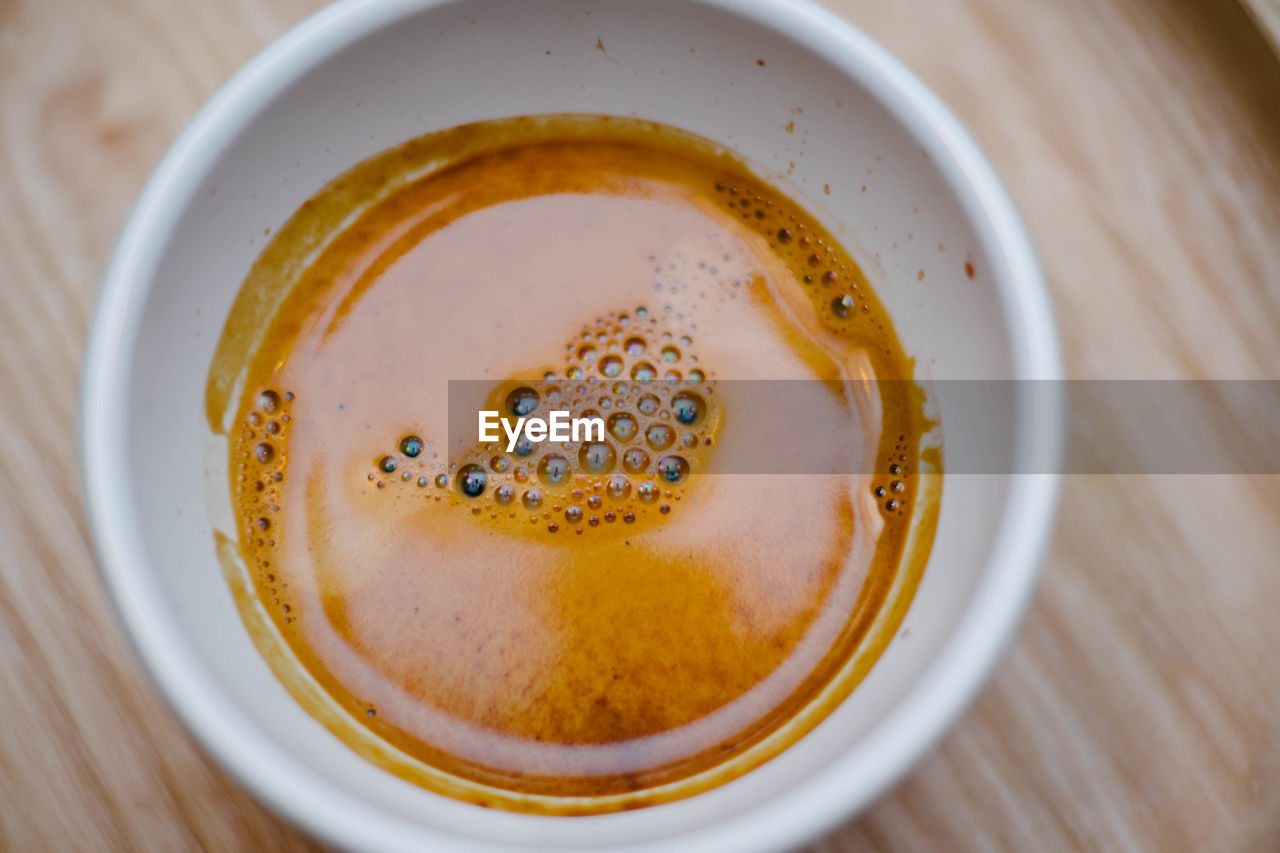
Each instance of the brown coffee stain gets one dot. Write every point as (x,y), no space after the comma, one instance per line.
(523,657)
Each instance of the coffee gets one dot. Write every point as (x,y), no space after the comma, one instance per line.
(583,625)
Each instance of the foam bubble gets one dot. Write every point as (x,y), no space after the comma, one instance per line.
(471,480)
(611,366)
(660,436)
(553,469)
(597,457)
(522,401)
(635,461)
(623,426)
(688,408)
(619,488)
(673,469)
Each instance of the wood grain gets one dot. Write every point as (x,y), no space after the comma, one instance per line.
(1140,707)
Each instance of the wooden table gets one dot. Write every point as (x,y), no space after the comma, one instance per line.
(1140,707)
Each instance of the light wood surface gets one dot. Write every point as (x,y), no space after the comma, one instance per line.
(1140,706)
(1266,13)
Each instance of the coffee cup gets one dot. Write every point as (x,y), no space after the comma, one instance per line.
(785,85)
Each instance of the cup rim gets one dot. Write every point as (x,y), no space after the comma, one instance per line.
(842,788)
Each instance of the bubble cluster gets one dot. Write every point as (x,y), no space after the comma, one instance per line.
(892,489)
(831,280)
(635,371)
(638,369)
(838,293)
(258,459)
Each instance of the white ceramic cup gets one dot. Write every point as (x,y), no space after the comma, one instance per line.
(828,109)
